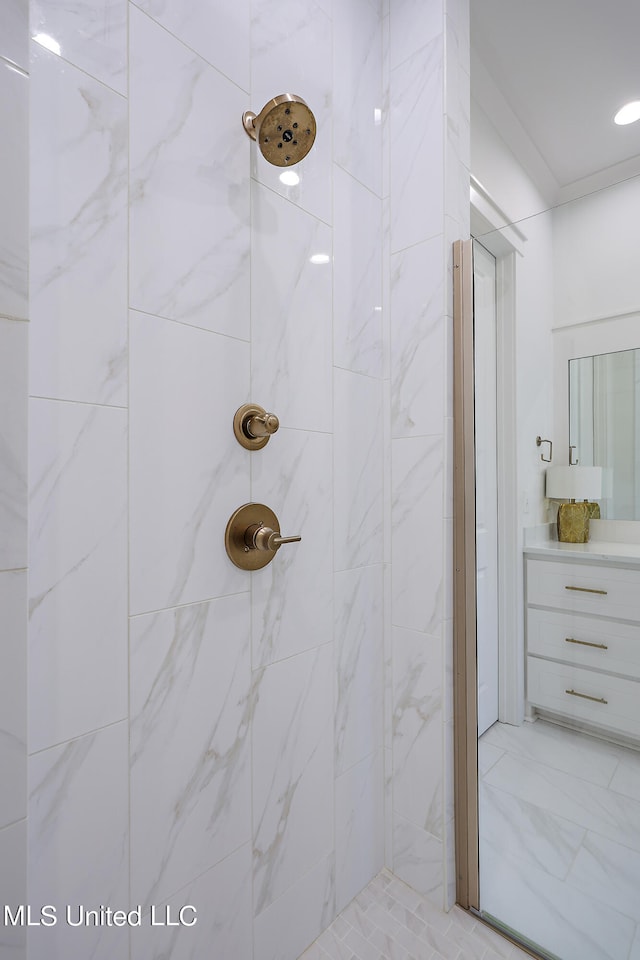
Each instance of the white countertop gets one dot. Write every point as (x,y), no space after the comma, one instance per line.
(610,551)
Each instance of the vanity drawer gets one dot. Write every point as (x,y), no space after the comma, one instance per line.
(586,588)
(585,641)
(548,683)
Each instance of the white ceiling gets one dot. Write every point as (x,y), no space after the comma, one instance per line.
(564,67)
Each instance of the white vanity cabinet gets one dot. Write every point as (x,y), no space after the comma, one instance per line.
(583,634)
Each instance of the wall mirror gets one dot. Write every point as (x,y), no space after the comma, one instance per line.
(604,419)
(555,190)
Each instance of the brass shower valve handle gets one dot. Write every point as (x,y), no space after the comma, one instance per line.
(260,537)
(253,426)
(253,538)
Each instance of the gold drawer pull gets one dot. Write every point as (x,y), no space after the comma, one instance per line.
(587,590)
(587,643)
(585,696)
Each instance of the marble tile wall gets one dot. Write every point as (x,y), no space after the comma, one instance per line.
(428,208)
(78,830)
(14,314)
(249,744)
(199,734)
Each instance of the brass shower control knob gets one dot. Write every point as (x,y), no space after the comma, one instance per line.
(252,537)
(253,426)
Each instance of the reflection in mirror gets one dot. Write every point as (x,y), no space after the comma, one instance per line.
(604,408)
(561,760)
(554,198)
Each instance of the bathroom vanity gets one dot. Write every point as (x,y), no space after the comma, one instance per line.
(583,635)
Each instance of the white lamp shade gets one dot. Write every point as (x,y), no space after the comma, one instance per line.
(574,483)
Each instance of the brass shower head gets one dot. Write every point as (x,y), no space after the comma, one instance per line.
(284,129)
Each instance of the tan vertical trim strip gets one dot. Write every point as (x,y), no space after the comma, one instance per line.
(465,694)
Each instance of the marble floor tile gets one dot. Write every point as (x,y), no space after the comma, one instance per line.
(609,872)
(389,920)
(566,922)
(559,854)
(541,837)
(591,806)
(488,755)
(568,750)
(626,778)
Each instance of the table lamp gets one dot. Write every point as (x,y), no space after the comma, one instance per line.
(580,486)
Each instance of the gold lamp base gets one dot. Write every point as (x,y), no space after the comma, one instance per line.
(573,522)
(593,510)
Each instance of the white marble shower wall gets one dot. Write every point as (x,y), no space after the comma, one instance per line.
(14,314)
(255,745)
(199,735)
(428,208)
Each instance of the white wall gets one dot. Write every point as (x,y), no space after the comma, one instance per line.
(595,238)
(198,734)
(14,312)
(534,378)
(596,289)
(505,160)
(522,201)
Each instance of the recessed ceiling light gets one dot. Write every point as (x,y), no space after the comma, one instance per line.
(320,258)
(629,113)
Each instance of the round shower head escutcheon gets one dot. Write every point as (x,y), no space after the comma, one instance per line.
(284,129)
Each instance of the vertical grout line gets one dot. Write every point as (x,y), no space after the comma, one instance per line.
(27,631)
(443,554)
(250,691)
(128,559)
(389,333)
(334,678)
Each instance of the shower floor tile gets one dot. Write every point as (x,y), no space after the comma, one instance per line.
(390,921)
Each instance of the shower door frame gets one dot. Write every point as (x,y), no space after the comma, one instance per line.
(504,245)
(465,679)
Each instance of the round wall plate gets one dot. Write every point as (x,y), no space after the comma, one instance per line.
(244,517)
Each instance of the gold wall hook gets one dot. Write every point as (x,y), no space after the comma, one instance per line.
(253,538)
(253,426)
